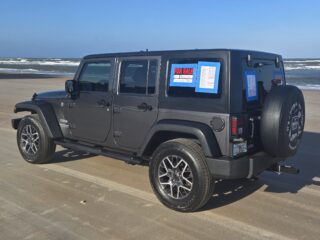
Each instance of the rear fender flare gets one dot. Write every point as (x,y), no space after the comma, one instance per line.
(200,131)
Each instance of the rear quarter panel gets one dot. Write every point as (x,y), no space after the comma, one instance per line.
(196,109)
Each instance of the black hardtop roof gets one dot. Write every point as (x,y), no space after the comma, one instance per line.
(159,53)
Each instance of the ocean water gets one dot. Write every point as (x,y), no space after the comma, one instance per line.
(304,73)
(48,66)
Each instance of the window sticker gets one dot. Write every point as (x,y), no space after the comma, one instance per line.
(183,75)
(277,78)
(208,77)
(251,86)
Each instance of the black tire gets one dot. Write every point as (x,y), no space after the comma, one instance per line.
(202,182)
(43,146)
(282,121)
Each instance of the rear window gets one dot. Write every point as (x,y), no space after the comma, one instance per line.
(258,79)
(196,78)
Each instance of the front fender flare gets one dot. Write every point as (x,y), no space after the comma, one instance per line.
(46,114)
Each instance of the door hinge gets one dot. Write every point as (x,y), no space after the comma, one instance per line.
(116,109)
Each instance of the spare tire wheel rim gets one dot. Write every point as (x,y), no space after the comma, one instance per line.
(295,125)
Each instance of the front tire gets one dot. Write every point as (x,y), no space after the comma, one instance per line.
(179,175)
(33,141)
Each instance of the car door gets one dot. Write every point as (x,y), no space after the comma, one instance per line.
(135,102)
(90,113)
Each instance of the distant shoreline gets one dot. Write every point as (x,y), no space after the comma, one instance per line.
(30,76)
(301,72)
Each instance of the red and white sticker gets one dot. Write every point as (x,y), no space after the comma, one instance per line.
(183,75)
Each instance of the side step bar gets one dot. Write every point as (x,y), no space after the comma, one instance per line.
(283,169)
(100,151)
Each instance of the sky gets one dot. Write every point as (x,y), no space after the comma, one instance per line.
(74,28)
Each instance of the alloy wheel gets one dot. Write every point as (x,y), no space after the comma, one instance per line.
(175,177)
(30,139)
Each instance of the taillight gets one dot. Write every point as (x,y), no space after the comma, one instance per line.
(239,143)
(237,124)
(234,126)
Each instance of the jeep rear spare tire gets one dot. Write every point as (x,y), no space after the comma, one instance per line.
(282,121)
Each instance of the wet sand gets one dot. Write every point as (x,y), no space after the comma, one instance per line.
(79,196)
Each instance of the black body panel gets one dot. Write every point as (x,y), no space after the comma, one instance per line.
(51,95)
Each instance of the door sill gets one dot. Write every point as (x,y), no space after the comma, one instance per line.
(130,159)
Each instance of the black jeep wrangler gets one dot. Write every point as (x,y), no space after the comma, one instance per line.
(194,116)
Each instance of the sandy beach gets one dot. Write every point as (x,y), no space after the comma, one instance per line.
(80,196)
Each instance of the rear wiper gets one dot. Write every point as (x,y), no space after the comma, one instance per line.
(261,64)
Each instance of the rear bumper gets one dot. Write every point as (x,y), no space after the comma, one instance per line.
(244,167)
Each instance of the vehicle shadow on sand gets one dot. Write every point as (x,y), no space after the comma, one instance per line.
(67,155)
(228,191)
(307,160)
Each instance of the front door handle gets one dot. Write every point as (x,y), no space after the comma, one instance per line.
(103,103)
(145,107)
(71,105)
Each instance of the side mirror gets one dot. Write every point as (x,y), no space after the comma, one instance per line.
(70,87)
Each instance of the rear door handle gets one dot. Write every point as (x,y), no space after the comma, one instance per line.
(71,105)
(145,107)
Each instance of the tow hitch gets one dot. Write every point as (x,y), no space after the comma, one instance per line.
(283,169)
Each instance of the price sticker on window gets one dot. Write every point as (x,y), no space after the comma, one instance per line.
(208,77)
(183,75)
(251,86)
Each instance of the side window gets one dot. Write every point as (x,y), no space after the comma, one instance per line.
(133,76)
(96,77)
(138,76)
(185,76)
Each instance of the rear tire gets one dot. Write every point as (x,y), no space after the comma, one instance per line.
(179,175)
(33,141)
